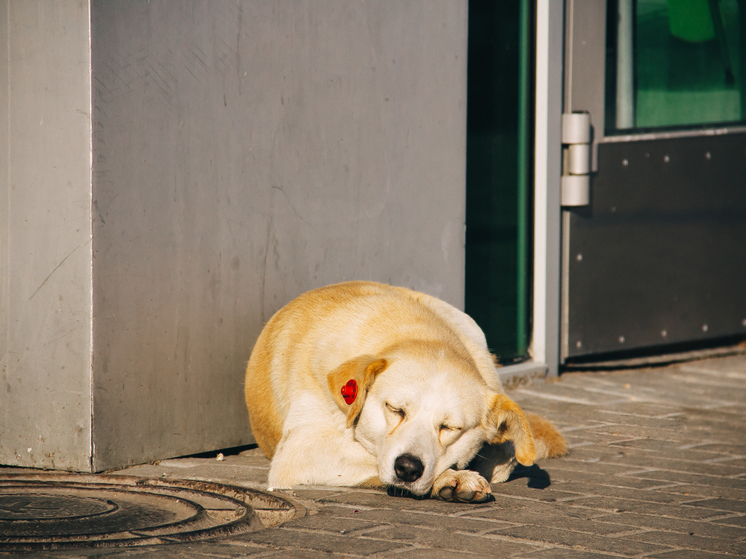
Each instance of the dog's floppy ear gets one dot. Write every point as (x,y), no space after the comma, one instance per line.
(349,383)
(506,422)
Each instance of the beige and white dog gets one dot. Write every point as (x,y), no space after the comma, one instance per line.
(367,384)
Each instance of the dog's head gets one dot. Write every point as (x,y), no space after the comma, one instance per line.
(421,410)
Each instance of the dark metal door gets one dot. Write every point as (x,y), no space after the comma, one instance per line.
(657,257)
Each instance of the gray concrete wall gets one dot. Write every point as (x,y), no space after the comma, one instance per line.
(243,152)
(45,233)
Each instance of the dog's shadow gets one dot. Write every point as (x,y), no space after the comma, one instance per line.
(537,478)
(498,463)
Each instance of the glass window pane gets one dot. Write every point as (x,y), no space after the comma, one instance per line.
(674,63)
(498,165)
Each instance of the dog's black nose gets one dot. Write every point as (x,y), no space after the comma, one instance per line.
(408,467)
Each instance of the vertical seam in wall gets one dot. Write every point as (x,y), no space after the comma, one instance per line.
(6,254)
(90,231)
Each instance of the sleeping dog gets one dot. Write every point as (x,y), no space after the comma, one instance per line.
(365,384)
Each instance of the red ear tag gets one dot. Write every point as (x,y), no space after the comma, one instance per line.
(349,391)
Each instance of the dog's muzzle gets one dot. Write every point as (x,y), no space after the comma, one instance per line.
(408,468)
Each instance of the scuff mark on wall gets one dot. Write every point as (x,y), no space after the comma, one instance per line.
(57,267)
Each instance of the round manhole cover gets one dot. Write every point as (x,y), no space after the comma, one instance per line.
(52,511)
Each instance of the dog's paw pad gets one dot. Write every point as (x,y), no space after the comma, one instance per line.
(463,485)
(447,493)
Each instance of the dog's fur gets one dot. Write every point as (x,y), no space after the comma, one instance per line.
(428,396)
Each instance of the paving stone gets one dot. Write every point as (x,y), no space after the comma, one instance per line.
(674,459)
(619,468)
(719,504)
(725,417)
(642,507)
(595,452)
(553,493)
(564,553)
(584,541)
(725,448)
(728,363)
(690,454)
(613,417)
(562,475)
(286,538)
(651,443)
(689,554)
(508,508)
(593,490)
(689,541)
(664,463)
(296,554)
(641,409)
(453,541)
(636,431)
(694,479)
(739,521)
(415,518)
(691,490)
(586,437)
(678,525)
(563,516)
(739,461)
(332,523)
(429,553)
(574,525)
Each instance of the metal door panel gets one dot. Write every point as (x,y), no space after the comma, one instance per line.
(657,257)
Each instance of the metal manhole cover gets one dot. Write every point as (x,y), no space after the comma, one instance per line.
(53,511)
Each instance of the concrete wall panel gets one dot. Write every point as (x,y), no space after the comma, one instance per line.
(45,233)
(245,152)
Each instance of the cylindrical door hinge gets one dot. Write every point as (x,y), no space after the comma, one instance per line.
(576,128)
(576,190)
(578,159)
(576,139)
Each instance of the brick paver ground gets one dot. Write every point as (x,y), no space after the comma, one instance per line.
(657,468)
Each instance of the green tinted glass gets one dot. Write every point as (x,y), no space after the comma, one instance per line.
(675,63)
(498,173)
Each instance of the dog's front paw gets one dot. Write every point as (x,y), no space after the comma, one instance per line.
(461,485)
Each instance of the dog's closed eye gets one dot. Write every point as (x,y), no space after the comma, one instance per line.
(447,434)
(396,411)
(445,427)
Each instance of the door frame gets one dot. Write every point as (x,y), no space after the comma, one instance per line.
(545,339)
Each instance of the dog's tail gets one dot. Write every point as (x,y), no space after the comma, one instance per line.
(548,440)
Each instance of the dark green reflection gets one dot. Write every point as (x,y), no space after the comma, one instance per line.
(687,63)
(498,164)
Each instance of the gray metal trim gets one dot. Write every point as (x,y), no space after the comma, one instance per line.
(669,135)
(565,288)
(547,171)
